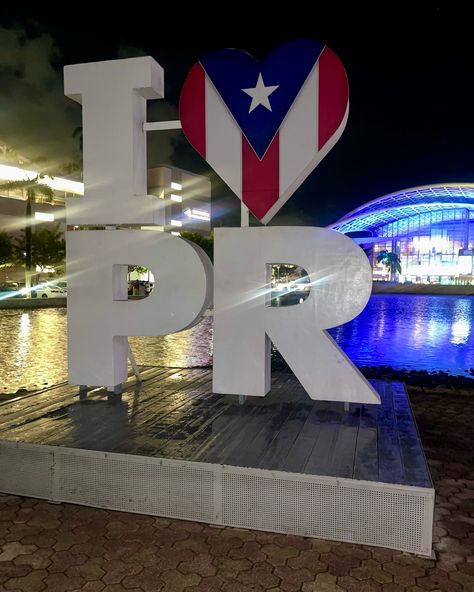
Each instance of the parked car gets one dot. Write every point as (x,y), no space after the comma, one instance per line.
(48,291)
(10,290)
(302,284)
(62,284)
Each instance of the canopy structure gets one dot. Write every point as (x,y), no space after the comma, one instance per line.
(405,203)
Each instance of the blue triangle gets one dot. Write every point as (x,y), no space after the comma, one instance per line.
(287,67)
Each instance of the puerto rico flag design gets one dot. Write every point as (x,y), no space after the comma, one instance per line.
(264,126)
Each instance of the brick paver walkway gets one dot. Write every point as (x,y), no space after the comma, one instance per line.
(63,547)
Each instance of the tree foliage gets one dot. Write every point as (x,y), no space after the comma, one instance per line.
(48,248)
(33,188)
(206,243)
(390,260)
(138,268)
(6,248)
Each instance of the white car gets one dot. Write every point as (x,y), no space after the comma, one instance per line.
(48,291)
(61,284)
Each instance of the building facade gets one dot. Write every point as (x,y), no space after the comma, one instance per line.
(186,199)
(430,228)
(184,202)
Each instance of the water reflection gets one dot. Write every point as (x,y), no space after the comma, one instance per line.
(184,349)
(32,348)
(23,337)
(460,331)
(381,323)
(403,331)
(461,328)
(416,332)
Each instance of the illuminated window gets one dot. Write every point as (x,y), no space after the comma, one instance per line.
(44,217)
(197,214)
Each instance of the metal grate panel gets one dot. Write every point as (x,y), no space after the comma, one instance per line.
(382,514)
(134,484)
(26,469)
(364,513)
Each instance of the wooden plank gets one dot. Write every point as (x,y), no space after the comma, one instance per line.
(55,420)
(343,455)
(229,424)
(164,395)
(300,450)
(329,418)
(234,451)
(414,461)
(366,465)
(199,437)
(391,468)
(285,434)
(260,430)
(227,429)
(96,425)
(168,411)
(166,418)
(43,402)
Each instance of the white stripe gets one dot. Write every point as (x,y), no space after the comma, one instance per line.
(223,140)
(299,136)
(299,155)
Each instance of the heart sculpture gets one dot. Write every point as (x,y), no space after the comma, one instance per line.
(264,126)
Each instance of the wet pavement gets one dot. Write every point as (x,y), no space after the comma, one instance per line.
(61,547)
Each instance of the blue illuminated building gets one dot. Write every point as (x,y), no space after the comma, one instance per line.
(431,228)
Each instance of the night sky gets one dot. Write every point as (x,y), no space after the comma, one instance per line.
(410,74)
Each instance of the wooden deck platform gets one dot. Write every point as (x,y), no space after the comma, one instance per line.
(284,463)
(174,414)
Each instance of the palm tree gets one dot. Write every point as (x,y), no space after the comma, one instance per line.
(6,248)
(391,261)
(6,251)
(34,188)
(48,248)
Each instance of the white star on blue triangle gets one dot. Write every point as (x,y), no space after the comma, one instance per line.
(260,94)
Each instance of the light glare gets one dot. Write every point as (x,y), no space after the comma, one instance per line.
(198,214)
(12,173)
(44,217)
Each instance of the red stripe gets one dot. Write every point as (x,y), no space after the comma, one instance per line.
(192,108)
(333,95)
(260,178)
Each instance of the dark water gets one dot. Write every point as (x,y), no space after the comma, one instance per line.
(416,332)
(403,331)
